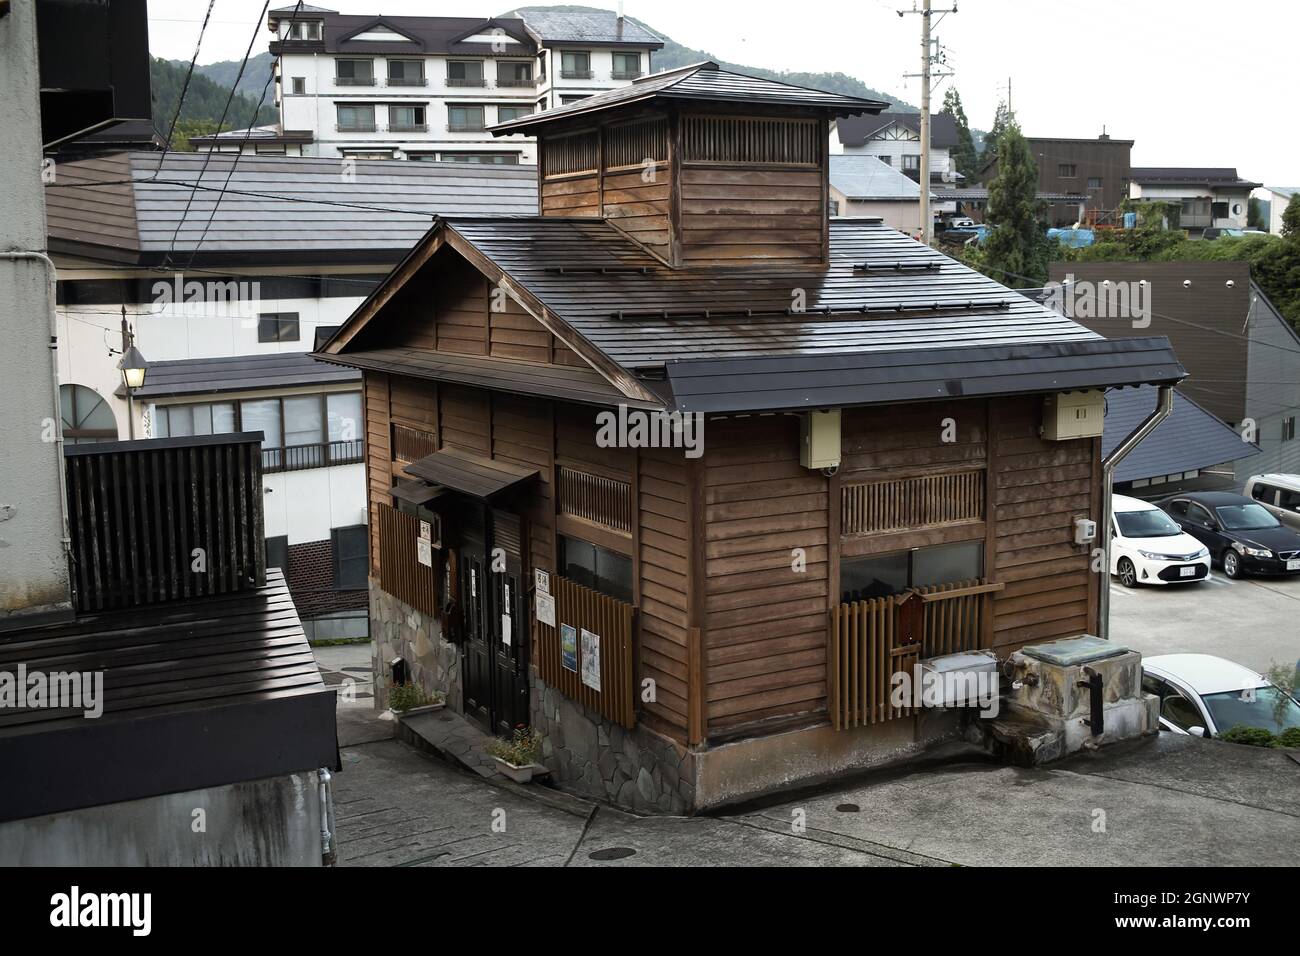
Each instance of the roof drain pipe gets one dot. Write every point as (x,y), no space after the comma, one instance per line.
(1164,405)
(328,851)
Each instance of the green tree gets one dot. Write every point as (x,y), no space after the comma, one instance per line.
(186,128)
(1002,120)
(964,155)
(1017,250)
(1255,215)
(1291,219)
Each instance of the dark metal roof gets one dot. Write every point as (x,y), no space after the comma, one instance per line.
(240,373)
(416,492)
(981,194)
(700,82)
(1188,176)
(471,474)
(586,26)
(930,374)
(197,694)
(421,35)
(856,130)
(1190,439)
(275,206)
(664,314)
(583,385)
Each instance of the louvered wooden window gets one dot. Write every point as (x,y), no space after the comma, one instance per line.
(566,155)
(727,139)
(905,504)
(604,501)
(412,444)
(634,144)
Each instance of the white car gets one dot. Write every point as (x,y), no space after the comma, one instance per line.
(1148,547)
(1203,696)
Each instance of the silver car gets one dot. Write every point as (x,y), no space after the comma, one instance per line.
(1280,494)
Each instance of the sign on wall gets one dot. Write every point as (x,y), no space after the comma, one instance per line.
(542,580)
(569,647)
(545,608)
(591,659)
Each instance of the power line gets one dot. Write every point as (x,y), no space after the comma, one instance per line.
(184,87)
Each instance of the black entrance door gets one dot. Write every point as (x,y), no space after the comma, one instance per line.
(495,625)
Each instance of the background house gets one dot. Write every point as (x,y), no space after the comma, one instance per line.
(1277,198)
(1208,197)
(863,186)
(286,248)
(1097,169)
(382,87)
(895,139)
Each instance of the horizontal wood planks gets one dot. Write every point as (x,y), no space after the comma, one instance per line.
(736,214)
(766,529)
(664,545)
(571,196)
(637,201)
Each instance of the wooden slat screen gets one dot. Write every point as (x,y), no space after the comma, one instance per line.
(636,143)
(866,650)
(605,501)
(137,512)
(412,444)
(400,572)
(613,621)
(569,154)
(905,504)
(734,139)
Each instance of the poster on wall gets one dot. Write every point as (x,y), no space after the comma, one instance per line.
(545,609)
(424,552)
(505,628)
(591,659)
(569,647)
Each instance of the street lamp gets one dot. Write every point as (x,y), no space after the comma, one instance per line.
(133,366)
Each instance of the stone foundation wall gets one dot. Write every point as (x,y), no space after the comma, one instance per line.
(399,630)
(595,757)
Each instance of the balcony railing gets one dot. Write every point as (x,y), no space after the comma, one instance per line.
(466,81)
(465,127)
(408,127)
(320,455)
(354,81)
(356,127)
(576,74)
(627,74)
(515,83)
(408,81)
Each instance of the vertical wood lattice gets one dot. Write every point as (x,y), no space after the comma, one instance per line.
(728,139)
(612,620)
(400,572)
(569,154)
(605,501)
(636,144)
(906,504)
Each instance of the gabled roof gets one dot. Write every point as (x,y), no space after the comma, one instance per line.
(863,178)
(856,130)
(884,301)
(700,82)
(1188,176)
(425,35)
(586,26)
(123,207)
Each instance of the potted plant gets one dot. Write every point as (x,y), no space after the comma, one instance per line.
(516,757)
(407,700)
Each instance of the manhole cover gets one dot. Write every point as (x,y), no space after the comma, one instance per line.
(613,853)
(848,808)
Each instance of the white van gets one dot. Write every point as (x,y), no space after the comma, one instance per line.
(1280,494)
(1148,547)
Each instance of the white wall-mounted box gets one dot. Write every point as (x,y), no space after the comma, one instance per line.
(819,434)
(1071,415)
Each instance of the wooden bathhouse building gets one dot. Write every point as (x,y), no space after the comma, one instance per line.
(680,470)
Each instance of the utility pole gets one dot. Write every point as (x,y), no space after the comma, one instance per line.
(927,14)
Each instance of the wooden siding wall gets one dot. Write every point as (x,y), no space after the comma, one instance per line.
(663,554)
(379,455)
(577,195)
(1040,488)
(766,624)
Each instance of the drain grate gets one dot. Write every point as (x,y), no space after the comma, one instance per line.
(612,853)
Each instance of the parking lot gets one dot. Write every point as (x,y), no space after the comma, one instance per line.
(1253,621)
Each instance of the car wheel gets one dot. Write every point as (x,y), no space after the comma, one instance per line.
(1128,575)
(1231,564)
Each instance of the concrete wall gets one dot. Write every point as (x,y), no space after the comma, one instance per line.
(271,822)
(33,570)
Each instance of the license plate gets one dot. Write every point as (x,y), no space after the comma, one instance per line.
(1191,572)
(1293,564)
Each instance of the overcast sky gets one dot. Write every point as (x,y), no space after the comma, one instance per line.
(1194,83)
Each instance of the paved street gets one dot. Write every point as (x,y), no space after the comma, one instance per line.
(1253,621)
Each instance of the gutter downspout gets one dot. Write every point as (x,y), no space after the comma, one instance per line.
(52,279)
(1164,405)
(328,852)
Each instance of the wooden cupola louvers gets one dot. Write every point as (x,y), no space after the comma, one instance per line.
(702,167)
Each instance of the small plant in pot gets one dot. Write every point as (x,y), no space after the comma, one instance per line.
(410,699)
(516,757)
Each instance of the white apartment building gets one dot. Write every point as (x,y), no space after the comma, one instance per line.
(895,139)
(225,298)
(429,88)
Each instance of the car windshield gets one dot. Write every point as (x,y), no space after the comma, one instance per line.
(1146,524)
(1264,707)
(1251,517)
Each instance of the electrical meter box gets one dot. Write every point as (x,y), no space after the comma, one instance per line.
(1073,415)
(819,445)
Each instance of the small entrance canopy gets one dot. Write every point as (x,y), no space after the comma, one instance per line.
(471,474)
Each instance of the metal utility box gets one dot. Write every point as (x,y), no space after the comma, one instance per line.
(819,445)
(957,677)
(1073,415)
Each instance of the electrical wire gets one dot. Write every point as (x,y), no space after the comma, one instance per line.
(184,87)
